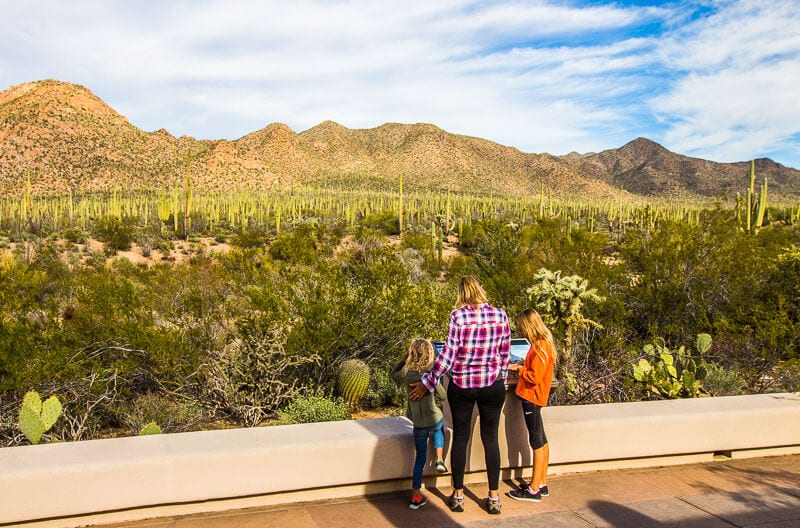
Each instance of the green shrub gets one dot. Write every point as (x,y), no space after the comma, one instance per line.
(116,233)
(254,374)
(171,415)
(252,238)
(76,236)
(385,221)
(314,408)
(383,391)
(787,376)
(721,381)
(298,246)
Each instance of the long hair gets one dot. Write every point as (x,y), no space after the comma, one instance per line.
(470,292)
(420,355)
(530,325)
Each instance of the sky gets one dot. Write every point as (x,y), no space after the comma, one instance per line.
(715,79)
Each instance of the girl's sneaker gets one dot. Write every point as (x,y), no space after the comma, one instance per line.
(493,506)
(417,501)
(456,503)
(525,493)
(543,491)
(440,467)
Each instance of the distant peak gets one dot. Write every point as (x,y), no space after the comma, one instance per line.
(330,124)
(643,142)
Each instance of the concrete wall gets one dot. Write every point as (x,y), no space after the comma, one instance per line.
(72,484)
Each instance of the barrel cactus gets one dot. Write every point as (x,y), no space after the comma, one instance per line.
(37,417)
(353,380)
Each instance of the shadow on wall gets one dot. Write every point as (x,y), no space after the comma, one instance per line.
(520,455)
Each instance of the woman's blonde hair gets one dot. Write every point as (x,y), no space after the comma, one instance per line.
(530,325)
(470,292)
(420,355)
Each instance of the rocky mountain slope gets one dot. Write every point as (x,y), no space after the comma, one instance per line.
(65,137)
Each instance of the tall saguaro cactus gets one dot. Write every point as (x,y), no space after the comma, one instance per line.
(400,207)
(187,204)
(756,207)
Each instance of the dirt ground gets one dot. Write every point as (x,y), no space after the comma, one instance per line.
(181,250)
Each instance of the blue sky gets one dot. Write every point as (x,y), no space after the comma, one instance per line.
(717,79)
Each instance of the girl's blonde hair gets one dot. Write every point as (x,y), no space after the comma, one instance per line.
(420,355)
(470,292)
(530,325)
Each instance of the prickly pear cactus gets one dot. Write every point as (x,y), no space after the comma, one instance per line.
(150,429)
(703,343)
(353,380)
(673,374)
(37,417)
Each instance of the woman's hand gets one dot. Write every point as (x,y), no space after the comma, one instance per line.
(418,391)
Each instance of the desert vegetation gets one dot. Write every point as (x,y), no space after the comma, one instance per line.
(647,300)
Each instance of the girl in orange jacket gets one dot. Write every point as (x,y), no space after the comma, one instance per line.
(533,389)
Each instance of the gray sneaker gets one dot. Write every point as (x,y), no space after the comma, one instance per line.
(493,506)
(440,467)
(456,503)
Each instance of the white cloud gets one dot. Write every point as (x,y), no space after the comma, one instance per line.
(739,97)
(538,75)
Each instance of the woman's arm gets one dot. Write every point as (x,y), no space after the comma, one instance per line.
(444,361)
(505,349)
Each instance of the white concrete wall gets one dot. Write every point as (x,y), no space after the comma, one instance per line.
(133,475)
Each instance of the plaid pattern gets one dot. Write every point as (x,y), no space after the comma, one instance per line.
(477,348)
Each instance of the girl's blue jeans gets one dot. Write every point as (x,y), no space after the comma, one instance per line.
(421,445)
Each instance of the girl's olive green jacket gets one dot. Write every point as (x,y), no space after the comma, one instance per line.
(427,411)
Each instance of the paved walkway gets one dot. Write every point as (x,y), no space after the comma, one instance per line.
(761,492)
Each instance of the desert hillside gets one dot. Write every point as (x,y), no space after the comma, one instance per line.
(65,137)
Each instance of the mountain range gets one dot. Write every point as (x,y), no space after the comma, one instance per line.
(64,138)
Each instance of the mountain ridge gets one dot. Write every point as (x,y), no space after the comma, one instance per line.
(66,137)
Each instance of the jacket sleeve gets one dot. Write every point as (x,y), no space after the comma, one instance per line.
(534,368)
(397,373)
(440,395)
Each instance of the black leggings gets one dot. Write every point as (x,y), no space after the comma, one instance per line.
(490,404)
(533,421)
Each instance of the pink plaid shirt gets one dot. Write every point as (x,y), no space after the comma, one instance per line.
(477,348)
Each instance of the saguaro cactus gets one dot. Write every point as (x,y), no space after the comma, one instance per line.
(353,380)
(36,418)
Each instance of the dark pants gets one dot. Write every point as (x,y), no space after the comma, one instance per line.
(490,404)
(533,421)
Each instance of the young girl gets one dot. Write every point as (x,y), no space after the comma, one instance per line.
(425,414)
(533,388)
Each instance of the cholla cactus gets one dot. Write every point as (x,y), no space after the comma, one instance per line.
(353,380)
(36,417)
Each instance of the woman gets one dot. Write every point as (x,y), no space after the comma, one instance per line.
(533,389)
(475,356)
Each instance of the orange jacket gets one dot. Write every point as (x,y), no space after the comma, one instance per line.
(536,375)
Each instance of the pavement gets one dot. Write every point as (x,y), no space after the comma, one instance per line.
(755,492)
